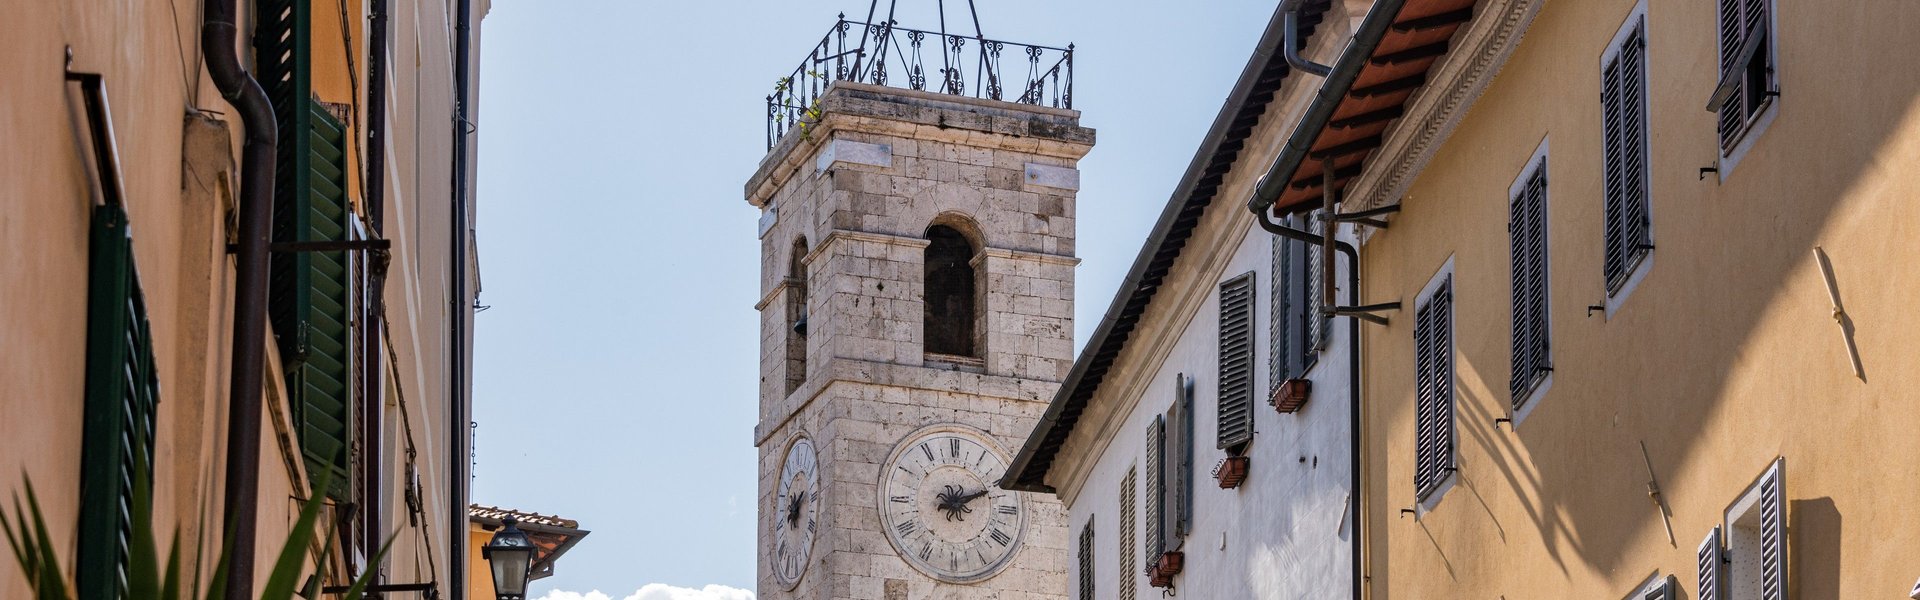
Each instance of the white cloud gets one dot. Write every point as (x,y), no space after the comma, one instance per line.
(659,591)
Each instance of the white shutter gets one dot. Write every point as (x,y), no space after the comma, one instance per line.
(1236,362)
(1156,489)
(1711,568)
(1773,533)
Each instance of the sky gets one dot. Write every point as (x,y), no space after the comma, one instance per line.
(616,363)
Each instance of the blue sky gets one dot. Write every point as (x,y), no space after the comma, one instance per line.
(614,378)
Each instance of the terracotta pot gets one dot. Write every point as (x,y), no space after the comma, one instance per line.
(1292,395)
(1233,472)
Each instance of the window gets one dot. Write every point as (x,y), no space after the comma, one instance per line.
(1236,364)
(950,286)
(1296,329)
(797,316)
(1086,560)
(1628,204)
(1752,565)
(1433,385)
(309,301)
(1746,82)
(121,392)
(1527,237)
(1656,588)
(1129,561)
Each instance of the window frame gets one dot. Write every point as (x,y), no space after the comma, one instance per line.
(1519,407)
(1756,122)
(1733,542)
(1642,263)
(1426,500)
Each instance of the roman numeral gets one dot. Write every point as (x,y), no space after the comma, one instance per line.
(809,525)
(900,499)
(926,551)
(1001,537)
(953,447)
(1007,510)
(928,450)
(904,528)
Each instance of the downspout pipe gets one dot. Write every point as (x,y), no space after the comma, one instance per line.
(373,393)
(1332,91)
(1290,48)
(219,34)
(462,310)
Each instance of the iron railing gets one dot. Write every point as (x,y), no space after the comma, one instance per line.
(886,54)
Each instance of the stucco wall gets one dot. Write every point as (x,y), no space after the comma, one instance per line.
(1725,356)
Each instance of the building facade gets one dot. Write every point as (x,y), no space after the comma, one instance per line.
(1646,344)
(130,182)
(917,313)
(1201,441)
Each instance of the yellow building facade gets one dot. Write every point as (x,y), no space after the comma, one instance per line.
(122,201)
(1727,409)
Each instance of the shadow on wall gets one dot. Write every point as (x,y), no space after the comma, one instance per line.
(1815,540)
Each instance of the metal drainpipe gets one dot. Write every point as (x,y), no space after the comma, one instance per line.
(240,503)
(1354,427)
(373,395)
(1291,44)
(462,308)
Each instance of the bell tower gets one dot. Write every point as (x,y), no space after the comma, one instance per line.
(917,262)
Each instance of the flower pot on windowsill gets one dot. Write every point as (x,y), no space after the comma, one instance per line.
(1232,472)
(1170,564)
(1292,395)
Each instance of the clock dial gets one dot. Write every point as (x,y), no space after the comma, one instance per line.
(942,509)
(796,510)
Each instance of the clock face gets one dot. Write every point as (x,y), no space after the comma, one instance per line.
(796,509)
(941,509)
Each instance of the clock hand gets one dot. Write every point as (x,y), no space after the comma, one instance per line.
(793,509)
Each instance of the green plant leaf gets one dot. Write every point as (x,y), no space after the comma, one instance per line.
(170,585)
(143,558)
(51,584)
(359,587)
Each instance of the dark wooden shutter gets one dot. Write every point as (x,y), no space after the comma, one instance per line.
(1628,215)
(1129,559)
(1527,236)
(1313,322)
(1732,36)
(1236,362)
(1156,542)
(1773,533)
(1433,363)
(1661,589)
(122,391)
(1710,567)
(1086,560)
(1182,494)
(309,291)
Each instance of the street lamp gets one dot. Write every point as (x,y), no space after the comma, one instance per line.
(510,553)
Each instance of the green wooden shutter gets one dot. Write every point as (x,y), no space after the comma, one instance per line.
(1236,363)
(309,290)
(122,391)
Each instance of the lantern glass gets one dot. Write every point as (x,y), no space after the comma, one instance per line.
(510,555)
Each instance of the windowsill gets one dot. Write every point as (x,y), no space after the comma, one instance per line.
(1425,504)
(1755,127)
(1618,298)
(954,362)
(1533,398)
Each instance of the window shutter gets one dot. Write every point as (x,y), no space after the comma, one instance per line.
(1236,362)
(122,391)
(1773,534)
(1710,567)
(1086,561)
(1156,489)
(1732,37)
(1628,216)
(1314,323)
(1526,230)
(1660,589)
(1277,315)
(1433,337)
(1129,563)
(308,302)
(1182,493)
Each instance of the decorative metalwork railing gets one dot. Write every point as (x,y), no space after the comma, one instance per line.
(886,54)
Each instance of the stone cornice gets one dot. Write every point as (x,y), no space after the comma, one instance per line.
(855,372)
(1483,47)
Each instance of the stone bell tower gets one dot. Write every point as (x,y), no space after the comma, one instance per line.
(917,260)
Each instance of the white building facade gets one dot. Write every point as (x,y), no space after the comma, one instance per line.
(1195,377)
